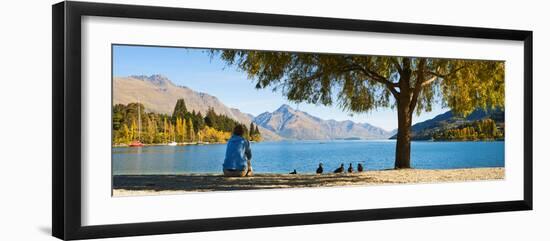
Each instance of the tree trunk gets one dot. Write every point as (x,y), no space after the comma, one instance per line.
(403,144)
(406,102)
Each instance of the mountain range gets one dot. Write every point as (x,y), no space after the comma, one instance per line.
(294,124)
(158,94)
(425,130)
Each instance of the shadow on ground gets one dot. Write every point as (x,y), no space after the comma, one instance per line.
(220,183)
(212,182)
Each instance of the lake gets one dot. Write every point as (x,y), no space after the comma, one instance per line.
(304,156)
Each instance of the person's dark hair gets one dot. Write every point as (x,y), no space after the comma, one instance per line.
(238,130)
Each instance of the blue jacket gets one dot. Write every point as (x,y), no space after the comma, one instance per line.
(237,153)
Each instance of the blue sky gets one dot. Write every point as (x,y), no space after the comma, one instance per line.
(196,69)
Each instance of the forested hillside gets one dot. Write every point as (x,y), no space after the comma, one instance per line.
(182,126)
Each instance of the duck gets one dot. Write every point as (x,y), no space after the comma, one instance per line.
(293,172)
(350,168)
(359,167)
(320,169)
(340,169)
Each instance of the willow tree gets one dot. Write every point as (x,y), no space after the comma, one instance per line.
(359,84)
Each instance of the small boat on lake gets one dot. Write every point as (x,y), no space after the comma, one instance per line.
(136,143)
(173,143)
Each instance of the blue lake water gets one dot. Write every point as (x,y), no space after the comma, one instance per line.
(304,156)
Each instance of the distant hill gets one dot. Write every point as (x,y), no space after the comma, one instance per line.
(158,94)
(425,130)
(294,124)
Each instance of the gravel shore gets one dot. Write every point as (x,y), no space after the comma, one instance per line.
(131,185)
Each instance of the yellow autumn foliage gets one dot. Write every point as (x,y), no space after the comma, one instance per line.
(209,134)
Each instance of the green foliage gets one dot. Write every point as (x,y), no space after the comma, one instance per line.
(180,110)
(181,130)
(160,128)
(151,136)
(221,122)
(197,119)
(363,83)
(475,84)
(254,133)
(190,131)
(117,120)
(485,129)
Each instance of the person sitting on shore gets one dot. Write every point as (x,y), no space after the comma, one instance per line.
(293,172)
(237,155)
(350,168)
(359,167)
(340,169)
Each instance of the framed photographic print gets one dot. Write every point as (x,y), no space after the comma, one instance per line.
(170,120)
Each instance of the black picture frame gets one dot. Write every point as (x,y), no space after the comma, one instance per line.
(66,157)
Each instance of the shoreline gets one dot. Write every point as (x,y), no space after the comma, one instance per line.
(322,142)
(138,185)
(179,144)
